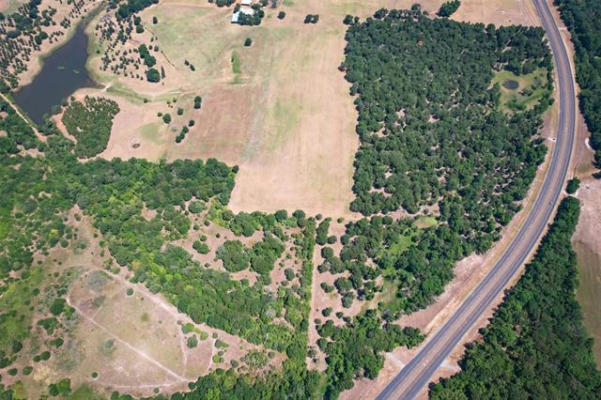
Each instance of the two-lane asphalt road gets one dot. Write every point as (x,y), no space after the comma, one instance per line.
(417,373)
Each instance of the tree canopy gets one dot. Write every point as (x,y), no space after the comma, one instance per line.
(582,19)
(535,345)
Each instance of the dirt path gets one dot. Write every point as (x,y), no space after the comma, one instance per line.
(169,308)
(127,344)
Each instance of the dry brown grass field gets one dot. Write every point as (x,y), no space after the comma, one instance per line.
(498,12)
(282,113)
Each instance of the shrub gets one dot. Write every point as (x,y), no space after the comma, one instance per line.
(196,207)
(234,255)
(201,247)
(448,8)
(192,342)
(152,75)
(311,19)
(289,273)
(573,185)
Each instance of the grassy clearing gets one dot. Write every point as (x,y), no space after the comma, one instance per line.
(178,23)
(531,88)
(286,114)
(401,245)
(236,63)
(425,222)
(125,92)
(10,6)
(151,133)
(84,392)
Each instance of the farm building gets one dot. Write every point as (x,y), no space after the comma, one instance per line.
(243,10)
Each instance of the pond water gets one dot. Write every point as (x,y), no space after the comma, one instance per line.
(511,84)
(63,72)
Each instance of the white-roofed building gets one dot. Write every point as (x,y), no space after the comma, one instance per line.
(243,10)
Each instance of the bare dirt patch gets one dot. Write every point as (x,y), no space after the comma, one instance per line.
(10,5)
(498,12)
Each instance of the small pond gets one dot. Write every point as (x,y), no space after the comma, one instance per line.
(63,72)
(511,84)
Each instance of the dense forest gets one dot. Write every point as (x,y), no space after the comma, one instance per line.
(434,141)
(582,19)
(89,122)
(535,345)
(429,124)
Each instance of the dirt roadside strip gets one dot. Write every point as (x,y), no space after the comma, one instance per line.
(417,373)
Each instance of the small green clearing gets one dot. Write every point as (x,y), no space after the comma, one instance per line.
(521,92)
(285,114)
(400,246)
(236,63)
(124,92)
(85,392)
(425,222)
(151,133)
